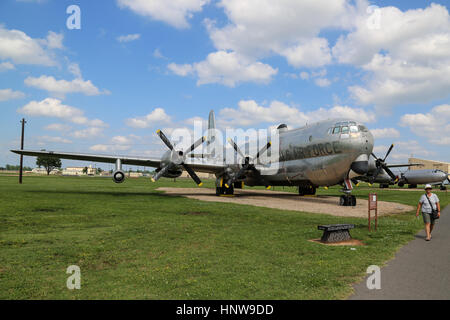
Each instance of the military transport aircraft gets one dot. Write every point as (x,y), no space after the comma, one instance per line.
(410,177)
(324,153)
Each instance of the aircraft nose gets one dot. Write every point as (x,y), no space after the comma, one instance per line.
(442,175)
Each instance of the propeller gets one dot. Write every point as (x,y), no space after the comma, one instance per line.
(177,158)
(381,165)
(248,162)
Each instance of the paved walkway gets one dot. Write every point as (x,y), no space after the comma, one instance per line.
(420,269)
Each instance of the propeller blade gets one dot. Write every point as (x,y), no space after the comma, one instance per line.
(160,173)
(195,145)
(164,139)
(389,151)
(389,172)
(263,149)
(236,148)
(192,174)
(373,155)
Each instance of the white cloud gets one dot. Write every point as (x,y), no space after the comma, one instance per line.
(122,140)
(8,94)
(60,88)
(226,68)
(54,40)
(54,108)
(5,66)
(74,69)
(91,132)
(250,113)
(434,125)
(174,12)
(180,69)
(385,133)
(260,27)
(128,37)
(311,53)
(406,56)
(322,82)
(157,116)
(22,49)
(43,139)
(108,148)
(57,127)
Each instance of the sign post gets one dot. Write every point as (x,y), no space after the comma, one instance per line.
(373,205)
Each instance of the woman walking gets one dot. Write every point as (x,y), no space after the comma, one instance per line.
(428,202)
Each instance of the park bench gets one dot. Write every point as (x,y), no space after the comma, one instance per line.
(336,232)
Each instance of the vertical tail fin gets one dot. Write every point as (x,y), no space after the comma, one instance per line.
(211,133)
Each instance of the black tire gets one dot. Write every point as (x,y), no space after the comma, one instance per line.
(301,191)
(229,190)
(343,201)
(219,191)
(353,200)
(443,188)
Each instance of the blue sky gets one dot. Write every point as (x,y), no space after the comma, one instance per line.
(135,66)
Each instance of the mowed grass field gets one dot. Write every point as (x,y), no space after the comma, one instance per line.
(133,242)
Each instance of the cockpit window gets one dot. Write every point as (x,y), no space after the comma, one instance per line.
(344,129)
(362,128)
(353,128)
(336,130)
(330,130)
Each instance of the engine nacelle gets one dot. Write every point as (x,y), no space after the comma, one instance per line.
(118,176)
(173,173)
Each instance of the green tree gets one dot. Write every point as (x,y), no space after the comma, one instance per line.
(85,169)
(49,163)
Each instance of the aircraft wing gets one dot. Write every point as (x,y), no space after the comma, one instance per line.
(137,161)
(92,157)
(404,165)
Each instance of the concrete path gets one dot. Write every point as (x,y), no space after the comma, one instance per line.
(420,269)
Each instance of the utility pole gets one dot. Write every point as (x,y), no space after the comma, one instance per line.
(21,148)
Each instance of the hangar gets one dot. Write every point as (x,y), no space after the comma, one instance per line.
(430,164)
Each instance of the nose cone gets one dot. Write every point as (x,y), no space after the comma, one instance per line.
(442,175)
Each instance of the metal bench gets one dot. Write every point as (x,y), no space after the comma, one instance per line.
(336,232)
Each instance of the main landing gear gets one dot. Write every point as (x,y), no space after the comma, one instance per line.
(347,200)
(306,190)
(223,190)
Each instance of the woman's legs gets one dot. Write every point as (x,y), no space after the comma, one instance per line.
(427,230)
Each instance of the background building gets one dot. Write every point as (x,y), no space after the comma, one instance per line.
(79,171)
(430,164)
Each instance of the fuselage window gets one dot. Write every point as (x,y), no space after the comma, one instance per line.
(336,130)
(344,129)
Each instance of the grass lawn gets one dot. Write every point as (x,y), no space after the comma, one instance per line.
(132,242)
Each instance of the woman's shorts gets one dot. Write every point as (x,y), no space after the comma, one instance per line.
(427,218)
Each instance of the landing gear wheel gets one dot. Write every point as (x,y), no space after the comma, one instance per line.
(306,190)
(224,190)
(443,188)
(347,201)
